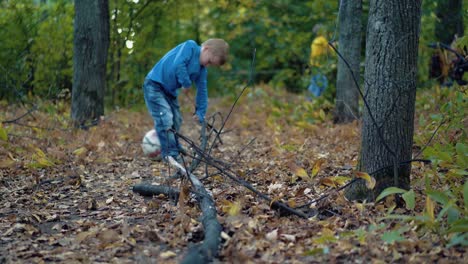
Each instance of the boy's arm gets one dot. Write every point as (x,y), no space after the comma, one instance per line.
(181,61)
(201,101)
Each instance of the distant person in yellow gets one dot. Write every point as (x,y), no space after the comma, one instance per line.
(318,54)
(318,50)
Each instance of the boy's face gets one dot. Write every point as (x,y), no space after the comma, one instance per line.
(208,59)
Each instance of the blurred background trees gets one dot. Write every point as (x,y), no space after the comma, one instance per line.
(36,50)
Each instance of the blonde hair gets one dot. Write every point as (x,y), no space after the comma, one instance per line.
(219,48)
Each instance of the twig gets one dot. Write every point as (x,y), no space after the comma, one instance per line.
(250,81)
(430,139)
(18,118)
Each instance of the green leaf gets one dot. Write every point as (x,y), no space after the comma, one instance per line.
(389,191)
(465,194)
(445,156)
(458,239)
(314,252)
(462,149)
(3,133)
(410,200)
(459,226)
(452,215)
(452,212)
(462,155)
(438,197)
(392,236)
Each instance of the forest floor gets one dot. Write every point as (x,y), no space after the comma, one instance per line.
(66,195)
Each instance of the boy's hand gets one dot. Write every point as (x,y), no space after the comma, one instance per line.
(195,117)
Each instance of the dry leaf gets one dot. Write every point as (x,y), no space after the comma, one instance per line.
(167,254)
(318,164)
(301,172)
(287,237)
(328,182)
(274,186)
(7,163)
(273,235)
(370,181)
(109,200)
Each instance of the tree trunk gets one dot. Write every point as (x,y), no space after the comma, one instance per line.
(347,95)
(91,43)
(390,90)
(450,20)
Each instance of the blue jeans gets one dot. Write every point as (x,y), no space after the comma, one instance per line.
(165,111)
(318,83)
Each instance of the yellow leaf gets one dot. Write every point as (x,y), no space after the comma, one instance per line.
(341,180)
(275,199)
(3,133)
(302,173)
(217,178)
(234,208)
(41,160)
(360,207)
(167,254)
(370,181)
(40,153)
(80,151)
(277,142)
(327,232)
(306,125)
(231,208)
(317,166)
(103,160)
(292,203)
(44,162)
(430,208)
(293,178)
(322,114)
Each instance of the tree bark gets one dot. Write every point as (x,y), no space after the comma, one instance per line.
(390,91)
(347,95)
(90,47)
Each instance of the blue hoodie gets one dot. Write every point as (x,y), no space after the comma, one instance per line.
(179,68)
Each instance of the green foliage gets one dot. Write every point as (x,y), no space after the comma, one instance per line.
(53,59)
(18,20)
(36,48)
(393,236)
(408,196)
(3,133)
(445,186)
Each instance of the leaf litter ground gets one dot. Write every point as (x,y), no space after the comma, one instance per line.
(67,195)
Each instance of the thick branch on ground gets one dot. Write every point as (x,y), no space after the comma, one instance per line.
(205,252)
(150,190)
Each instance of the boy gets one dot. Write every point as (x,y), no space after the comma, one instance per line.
(184,64)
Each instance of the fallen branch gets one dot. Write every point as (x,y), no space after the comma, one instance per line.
(151,190)
(205,252)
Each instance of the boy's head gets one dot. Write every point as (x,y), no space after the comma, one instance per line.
(214,52)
